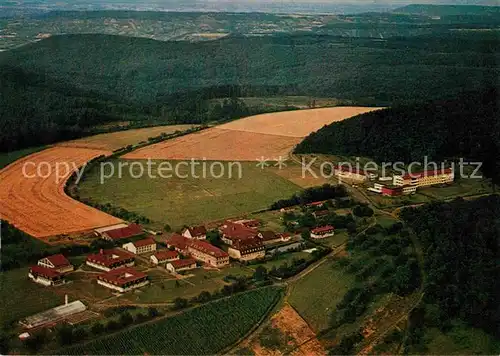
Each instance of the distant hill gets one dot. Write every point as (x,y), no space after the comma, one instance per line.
(447,10)
(467,126)
(71,83)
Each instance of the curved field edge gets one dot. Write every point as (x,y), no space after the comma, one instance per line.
(203,330)
(7,158)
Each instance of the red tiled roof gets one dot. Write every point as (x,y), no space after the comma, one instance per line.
(248,244)
(124,232)
(177,241)
(316,203)
(58,260)
(183,263)
(268,235)
(237,231)
(321,213)
(207,248)
(108,257)
(428,173)
(144,242)
(322,229)
(196,231)
(163,255)
(121,276)
(45,272)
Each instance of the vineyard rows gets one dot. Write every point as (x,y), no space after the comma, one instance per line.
(204,330)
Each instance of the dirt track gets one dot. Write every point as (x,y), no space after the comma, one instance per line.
(249,139)
(39,205)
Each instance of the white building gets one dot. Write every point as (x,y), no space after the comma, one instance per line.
(141,246)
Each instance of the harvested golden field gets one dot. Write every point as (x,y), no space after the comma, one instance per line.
(114,140)
(299,123)
(249,139)
(216,144)
(33,197)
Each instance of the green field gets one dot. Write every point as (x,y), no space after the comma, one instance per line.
(20,297)
(284,258)
(165,288)
(207,329)
(316,296)
(178,201)
(461,187)
(336,240)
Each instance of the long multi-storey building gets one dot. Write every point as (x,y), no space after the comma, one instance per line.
(247,250)
(207,253)
(425,178)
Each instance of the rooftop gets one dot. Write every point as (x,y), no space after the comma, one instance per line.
(58,260)
(123,275)
(108,257)
(238,231)
(144,242)
(196,231)
(183,263)
(44,271)
(162,255)
(322,229)
(124,232)
(177,241)
(207,248)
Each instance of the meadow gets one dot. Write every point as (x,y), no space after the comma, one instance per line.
(316,296)
(178,201)
(20,297)
(207,329)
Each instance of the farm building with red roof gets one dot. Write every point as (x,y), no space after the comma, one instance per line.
(207,253)
(129,231)
(268,237)
(45,276)
(195,232)
(140,246)
(322,232)
(181,265)
(164,256)
(107,260)
(123,279)
(232,232)
(57,262)
(178,242)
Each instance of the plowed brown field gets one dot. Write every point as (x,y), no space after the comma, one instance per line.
(249,139)
(300,339)
(39,205)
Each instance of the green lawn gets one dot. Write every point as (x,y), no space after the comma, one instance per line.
(178,201)
(164,288)
(20,297)
(385,221)
(338,239)
(461,187)
(204,330)
(316,295)
(283,258)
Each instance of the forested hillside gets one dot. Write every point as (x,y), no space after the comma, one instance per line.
(460,242)
(468,126)
(56,87)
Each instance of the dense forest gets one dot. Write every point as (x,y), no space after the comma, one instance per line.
(65,86)
(460,242)
(468,127)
